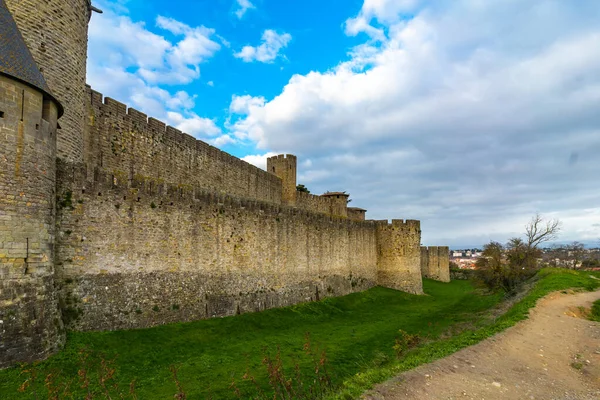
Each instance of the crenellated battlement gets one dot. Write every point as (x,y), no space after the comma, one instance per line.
(124,139)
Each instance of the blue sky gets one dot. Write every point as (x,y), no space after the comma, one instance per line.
(311,33)
(468,115)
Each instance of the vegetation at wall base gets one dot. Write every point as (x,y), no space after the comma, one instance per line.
(595,313)
(351,343)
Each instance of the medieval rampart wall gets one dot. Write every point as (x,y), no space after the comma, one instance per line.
(399,254)
(140,254)
(435,263)
(336,207)
(356,214)
(129,145)
(444,263)
(314,203)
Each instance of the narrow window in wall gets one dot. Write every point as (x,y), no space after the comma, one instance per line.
(1,114)
(46,110)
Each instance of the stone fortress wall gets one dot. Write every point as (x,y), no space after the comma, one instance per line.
(138,224)
(435,263)
(30,320)
(133,256)
(159,227)
(130,146)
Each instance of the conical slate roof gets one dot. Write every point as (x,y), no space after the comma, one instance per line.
(16,60)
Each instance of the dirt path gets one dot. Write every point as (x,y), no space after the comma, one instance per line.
(552,355)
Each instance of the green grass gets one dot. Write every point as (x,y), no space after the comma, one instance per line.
(357,331)
(595,314)
(547,280)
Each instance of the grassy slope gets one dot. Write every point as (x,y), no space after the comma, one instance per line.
(355,330)
(548,280)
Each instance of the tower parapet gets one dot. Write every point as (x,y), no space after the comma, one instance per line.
(284,166)
(56,33)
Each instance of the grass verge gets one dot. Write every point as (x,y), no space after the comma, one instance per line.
(546,281)
(357,331)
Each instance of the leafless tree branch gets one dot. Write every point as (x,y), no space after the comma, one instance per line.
(539,230)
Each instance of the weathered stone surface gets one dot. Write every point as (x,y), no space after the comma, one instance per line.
(30,323)
(144,299)
(142,151)
(399,256)
(435,263)
(228,247)
(56,32)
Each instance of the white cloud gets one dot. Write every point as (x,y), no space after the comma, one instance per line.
(134,65)
(245,104)
(268,50)
(193,124)
(384,12)
(223,140)
(243,6)
(466,115)
(259,160)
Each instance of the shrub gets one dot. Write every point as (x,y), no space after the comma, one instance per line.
(506,267)
(403,342)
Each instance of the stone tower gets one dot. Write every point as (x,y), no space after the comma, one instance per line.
(399,255)
(435,263)
(284,166)
(339,203)
(56,32)
(30,322)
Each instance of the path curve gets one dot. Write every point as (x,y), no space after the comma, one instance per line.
(552,355)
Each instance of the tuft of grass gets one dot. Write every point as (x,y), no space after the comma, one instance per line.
(595,312)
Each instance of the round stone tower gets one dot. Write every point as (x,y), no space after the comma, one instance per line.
(56,32)
(30,322)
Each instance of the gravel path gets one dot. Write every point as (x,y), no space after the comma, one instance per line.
(555,354)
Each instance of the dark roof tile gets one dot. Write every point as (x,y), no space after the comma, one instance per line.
(16,60)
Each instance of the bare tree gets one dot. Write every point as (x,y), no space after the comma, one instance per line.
(539,230)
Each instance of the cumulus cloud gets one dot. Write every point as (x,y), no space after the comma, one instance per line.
(382,12)
(259,160)
(222,140)
(465,115)
(131,63)
(242,7)
(245,104)
(193,124)
(268,50)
